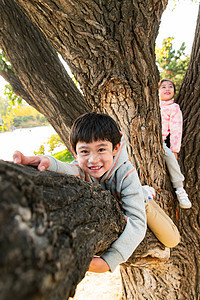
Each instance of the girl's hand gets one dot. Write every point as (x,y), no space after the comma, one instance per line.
(40,161)
(98,265)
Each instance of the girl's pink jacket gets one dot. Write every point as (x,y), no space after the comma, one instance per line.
(172,122)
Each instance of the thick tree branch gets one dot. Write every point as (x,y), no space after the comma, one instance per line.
(16,84)
(39,69)
(51,226)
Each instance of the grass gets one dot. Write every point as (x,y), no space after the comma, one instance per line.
(64,156)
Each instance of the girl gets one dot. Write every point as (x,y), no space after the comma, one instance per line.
(172,133)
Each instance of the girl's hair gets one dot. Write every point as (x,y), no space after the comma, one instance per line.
(163,80)
(92,127)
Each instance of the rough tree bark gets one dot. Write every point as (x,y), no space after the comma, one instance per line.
(107,49)
(51,227)
(48,87)
(109,45)
(184,263)
(189,223)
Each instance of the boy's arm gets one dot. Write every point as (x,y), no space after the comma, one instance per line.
(45,162)
(62,167)
(40,161)
(134,209)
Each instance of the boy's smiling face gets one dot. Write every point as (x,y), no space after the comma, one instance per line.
(96,158)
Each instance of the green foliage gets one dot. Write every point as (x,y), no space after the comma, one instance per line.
(19,115)
(4,63)
(27,118)
(41,151)
(6,115)
(54,141)
(42,119)
(4,105)
(13,98)
(64,156)
(172,64)
(5,66)
(17,121)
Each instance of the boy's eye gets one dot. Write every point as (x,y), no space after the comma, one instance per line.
(84,152)
(101,149)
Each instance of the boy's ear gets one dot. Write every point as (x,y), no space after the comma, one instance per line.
(116,149)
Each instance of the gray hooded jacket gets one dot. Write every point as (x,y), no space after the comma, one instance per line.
(122,181)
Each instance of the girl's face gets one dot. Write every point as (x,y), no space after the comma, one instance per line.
(166,91)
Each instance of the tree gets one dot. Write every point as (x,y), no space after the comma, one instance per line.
(4,106)
(173,63)
(110,48)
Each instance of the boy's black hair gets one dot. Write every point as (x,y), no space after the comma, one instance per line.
(163,80)
(92,127)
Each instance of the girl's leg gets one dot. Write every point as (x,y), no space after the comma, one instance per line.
(176,177)
(173,167)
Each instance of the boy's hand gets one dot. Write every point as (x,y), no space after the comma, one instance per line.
(42,162)
(98,265)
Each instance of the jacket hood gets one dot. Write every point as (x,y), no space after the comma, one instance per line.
(119,159)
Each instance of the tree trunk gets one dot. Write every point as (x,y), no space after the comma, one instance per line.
(51,226)
(110,50)
(114,64)
(189,100)
(179,278)
(109,46)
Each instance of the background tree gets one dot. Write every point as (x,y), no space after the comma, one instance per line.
(4,105)
(110,48)
(173,64)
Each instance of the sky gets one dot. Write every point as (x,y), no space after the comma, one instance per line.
(177,21)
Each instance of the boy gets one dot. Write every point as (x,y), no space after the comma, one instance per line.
(101,157)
